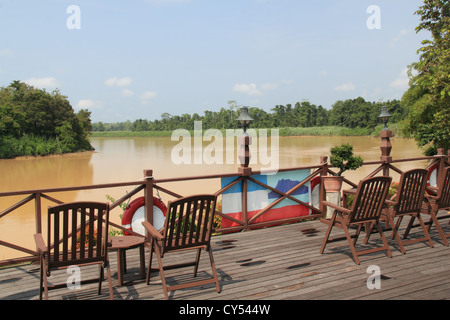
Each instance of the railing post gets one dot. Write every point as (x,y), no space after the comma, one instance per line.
(148,198)
(244,157)
(37,210)
(386,148)
(322,196)
(441,165)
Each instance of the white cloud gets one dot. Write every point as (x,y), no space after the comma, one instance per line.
(118,82)
(397,38)
(249,89)
(162,2)
(147,95)
(46,82)
(402,81)
(269,86)
(349,86)
(87,104)
(252,89)
(127,93)
(6,52)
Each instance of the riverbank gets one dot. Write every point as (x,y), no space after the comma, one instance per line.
(35,146)
(30,146)
(284,132)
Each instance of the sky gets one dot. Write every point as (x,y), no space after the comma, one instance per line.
(136,59)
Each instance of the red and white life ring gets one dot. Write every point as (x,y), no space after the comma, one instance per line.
(432,175)
(134,215)
(315,192)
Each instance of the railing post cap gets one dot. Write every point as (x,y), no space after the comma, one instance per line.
(148,174)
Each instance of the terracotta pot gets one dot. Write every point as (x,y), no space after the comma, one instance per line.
(332,183)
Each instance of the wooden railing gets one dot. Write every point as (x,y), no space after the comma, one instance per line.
(148,185)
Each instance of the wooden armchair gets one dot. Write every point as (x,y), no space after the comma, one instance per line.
(188,226)
(438,199)
(365,211)
(408,201)
(77,236)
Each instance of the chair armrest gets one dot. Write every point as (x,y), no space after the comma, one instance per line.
(432,191)
(153,232)
(335,206)
(390,202)
(40,244)
(431,197)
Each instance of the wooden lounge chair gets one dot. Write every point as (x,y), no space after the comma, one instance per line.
(437,199)
(77,236)
(365,211)
(188,226)
(408,201)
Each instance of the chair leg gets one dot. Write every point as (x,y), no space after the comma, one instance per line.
(150,258)
(100,277)
(425,231)
(395,235)
(213,267)
(161,273)
(108,271)
(398,239)
(383,238)
(327,234)
(434,220)
(197,261)
(41,278)
(44,279)
(408,228)
(351,244)
(368,233)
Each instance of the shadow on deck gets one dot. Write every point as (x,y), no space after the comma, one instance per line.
(278,263)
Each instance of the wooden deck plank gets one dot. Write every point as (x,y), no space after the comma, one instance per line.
(279,263)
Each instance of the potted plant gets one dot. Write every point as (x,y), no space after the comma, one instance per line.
(341,157)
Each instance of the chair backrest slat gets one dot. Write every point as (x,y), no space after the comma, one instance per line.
(189,222)
(74,231)
(77,232)
(411,191)
(444,189)
(369,199)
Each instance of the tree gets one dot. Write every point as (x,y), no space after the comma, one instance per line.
(428,98)
(30,112)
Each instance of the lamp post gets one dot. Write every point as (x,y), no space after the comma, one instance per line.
(384,116)
(244,141)
(385,135)
(244,118)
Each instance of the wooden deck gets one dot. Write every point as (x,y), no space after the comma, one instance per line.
(278,263)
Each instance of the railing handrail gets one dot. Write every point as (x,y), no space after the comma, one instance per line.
(149,181)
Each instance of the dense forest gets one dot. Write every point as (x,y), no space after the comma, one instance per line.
(35,122)
(351,113)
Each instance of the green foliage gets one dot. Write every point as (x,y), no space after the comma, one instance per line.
(33,120)
(428,97)
(355,114)
(28,145)
(342,157)
(114,232)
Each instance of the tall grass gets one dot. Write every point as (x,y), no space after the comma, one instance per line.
(292,131)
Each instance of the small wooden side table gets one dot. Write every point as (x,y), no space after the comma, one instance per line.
(123,243)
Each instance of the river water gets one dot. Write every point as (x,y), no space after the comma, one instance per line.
(125,159)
